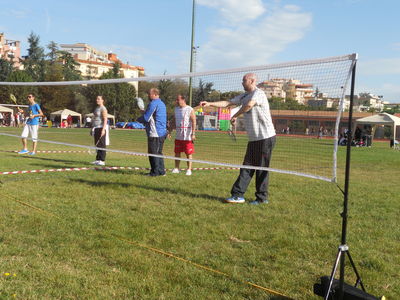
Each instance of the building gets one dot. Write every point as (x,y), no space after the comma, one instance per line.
(93,63)
(288,89)
(367,102)
(10,50)
(298,91)
(273,88)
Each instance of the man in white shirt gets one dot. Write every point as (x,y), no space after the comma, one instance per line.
(185,125)
(261,133)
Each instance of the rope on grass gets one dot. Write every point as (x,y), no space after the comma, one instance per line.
(203,267)
(273,292)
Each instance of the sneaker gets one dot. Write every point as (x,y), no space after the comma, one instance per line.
(175,171)
(23,152)
(258,202)
(235,200)
(100,163)
(31,153)
(189,172)
(94,162)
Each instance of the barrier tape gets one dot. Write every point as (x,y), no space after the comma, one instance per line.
(103,168)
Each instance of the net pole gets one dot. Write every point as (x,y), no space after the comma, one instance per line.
(191,55)
(347,183)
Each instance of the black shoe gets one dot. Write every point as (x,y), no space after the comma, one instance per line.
(257,202)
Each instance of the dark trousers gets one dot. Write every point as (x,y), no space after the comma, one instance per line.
(258,154)
(155,146)
(100,141)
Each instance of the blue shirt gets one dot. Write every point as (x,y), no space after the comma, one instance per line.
(155,119)
(33,110)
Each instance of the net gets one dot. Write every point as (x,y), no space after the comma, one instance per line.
(307,136)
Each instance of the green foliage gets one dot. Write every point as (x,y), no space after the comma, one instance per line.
(35,64)
(6,68)
(55,97)
(20,92)
(202,92)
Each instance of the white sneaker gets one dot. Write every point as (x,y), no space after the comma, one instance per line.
(94,162)
(175,171)
(189,172)
(100,163)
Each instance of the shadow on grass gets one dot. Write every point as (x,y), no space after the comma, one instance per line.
(179,191)
(97,183)
(176,191)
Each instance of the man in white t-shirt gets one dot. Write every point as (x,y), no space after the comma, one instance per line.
(261,133)
(185,126)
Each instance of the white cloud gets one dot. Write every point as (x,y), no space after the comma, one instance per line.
(382,66)
(256,41)
(236,11)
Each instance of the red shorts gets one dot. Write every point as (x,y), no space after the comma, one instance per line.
(184,146)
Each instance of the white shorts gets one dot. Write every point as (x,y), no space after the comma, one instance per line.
(32,130)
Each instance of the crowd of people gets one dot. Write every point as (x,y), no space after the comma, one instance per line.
(253,105)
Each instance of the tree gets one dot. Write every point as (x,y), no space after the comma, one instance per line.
(53,52)
(55,97)
(6,67)
(20,92)
(69,66)
(202,92)
(35,63)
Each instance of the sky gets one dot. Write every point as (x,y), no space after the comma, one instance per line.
(156,34)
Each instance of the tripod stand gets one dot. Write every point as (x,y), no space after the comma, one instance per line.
(343,248)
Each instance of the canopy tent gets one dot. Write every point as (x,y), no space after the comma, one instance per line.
(64,113)
(4,109)
(381,119)
(108,117)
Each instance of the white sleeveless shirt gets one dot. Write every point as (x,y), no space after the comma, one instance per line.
(183,123)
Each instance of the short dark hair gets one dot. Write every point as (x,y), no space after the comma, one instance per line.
(182,96)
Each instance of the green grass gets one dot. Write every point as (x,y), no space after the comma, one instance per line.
(69,248)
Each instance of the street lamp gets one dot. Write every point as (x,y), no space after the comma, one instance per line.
(192,52)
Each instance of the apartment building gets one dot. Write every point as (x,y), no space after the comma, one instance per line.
(10,50)
(93,62)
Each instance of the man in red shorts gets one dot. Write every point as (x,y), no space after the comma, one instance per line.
(185,125)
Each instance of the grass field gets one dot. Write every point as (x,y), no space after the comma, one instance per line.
(93,234)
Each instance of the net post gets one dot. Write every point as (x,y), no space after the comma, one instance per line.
(347,183)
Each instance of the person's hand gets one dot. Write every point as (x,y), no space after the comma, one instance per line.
(103,132)
(169,136)
(193,137)
(204,104)
(233,120)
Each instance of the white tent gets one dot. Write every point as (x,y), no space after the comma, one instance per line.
(108,117)
(381,119)
(64,113)
(4,109)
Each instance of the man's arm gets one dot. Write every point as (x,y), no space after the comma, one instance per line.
(149,111)
(222,104)
(242,110)
(193,119)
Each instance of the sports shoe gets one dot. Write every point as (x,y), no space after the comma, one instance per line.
(31,153)
(100,163)
(189,172)
(23,151)
(94,162)
(258,202)
(175,171)
(235,200)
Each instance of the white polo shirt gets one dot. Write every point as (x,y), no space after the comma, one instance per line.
(257,120)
